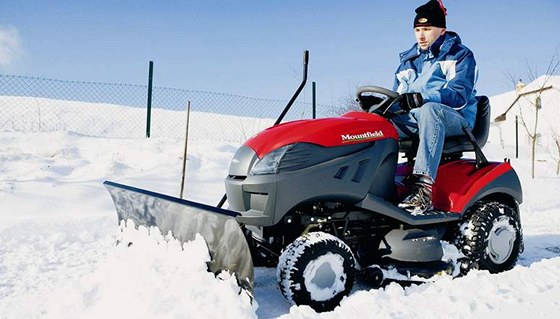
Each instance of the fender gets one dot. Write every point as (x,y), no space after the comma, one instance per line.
(459,184)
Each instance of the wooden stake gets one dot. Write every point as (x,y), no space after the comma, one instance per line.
(185,150)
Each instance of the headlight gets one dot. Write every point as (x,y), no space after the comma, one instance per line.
(270,162)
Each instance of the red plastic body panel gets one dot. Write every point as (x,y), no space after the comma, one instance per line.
(350,128)
(457,182)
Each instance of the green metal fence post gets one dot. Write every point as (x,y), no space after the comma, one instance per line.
(149,116)
(314,93)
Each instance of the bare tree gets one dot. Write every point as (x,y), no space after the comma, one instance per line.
(555,134)
(345,104)
(533,98)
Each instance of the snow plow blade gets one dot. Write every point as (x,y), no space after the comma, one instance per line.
(224,237)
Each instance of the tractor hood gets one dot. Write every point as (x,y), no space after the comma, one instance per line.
(350,128)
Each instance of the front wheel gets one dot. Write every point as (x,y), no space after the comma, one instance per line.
(491,237)
(317,269)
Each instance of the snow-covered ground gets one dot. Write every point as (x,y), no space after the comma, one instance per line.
(58,257)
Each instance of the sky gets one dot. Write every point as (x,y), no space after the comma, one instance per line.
(255,48)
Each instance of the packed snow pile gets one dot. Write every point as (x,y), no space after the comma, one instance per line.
(59,258)
(128,283)
(32,114)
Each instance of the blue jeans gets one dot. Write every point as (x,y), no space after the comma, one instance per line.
(431,122)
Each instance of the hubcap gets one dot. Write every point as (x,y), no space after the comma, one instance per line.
(325,277)
(501,240)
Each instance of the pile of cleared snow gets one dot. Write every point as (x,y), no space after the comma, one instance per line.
(520,293)
(31,114)
(156,277)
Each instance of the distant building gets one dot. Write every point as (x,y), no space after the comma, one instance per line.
(519,86)
(544,94)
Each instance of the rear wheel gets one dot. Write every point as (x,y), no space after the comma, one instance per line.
(317,269)
(491,237)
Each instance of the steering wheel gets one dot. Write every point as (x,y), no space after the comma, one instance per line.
(375,99)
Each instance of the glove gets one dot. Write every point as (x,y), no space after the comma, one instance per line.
(367,101)
(411,101)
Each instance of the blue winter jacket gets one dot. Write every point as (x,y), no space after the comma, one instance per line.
(445,73)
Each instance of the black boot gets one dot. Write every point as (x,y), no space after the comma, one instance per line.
(419,202)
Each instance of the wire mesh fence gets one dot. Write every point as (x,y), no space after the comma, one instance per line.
(119,110)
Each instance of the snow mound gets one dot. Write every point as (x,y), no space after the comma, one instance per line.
(520,293)
(148,275)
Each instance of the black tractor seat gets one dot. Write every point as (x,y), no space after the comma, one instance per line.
(471,141)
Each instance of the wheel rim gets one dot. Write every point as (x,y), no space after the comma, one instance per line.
(325,277)
(501,240)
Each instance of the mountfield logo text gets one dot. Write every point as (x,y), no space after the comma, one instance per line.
(361,137)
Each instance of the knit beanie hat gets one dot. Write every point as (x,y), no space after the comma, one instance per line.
(431,14)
